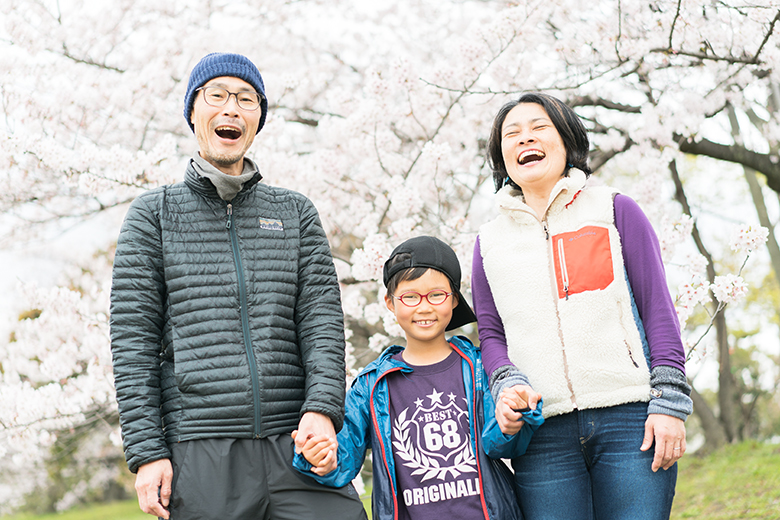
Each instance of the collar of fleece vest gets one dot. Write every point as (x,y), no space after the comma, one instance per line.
(510,200)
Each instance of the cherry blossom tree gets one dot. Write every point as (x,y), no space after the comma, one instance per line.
(379,112)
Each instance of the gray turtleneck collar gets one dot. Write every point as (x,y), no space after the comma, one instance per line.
(227,185)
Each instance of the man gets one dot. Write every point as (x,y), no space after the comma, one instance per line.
(226,326)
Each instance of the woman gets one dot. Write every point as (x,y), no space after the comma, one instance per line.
(569,287)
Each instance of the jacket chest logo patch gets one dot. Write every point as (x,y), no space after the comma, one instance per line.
(271,224)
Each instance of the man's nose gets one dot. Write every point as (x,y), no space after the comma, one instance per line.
(231,107)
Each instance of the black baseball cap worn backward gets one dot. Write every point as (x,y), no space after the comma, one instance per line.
(427,251)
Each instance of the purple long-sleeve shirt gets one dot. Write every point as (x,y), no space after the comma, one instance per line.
(645,270)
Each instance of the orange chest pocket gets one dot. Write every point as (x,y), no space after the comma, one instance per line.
(583,260)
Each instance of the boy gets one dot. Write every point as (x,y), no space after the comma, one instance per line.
(421,409)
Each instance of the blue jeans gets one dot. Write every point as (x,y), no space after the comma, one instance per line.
(586,465)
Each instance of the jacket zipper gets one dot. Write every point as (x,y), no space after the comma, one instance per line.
(245,320)
(554,294)
(378,434)
(473,427)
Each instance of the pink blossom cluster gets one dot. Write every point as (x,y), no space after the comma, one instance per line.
(689,295)
(729,288)
(749,238)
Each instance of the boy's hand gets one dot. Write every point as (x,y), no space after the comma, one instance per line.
(511,404)
(320,451)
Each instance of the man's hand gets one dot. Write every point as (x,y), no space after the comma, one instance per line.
(669,435)
(312,425)
(320,451)
(153,486)
(518,397)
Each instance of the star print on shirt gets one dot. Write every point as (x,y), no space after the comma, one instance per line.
(419,402)
(435,397)
(451,396)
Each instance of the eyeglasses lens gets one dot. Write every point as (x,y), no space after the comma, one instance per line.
(217,97)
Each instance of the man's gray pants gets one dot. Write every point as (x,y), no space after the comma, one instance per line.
(252,479)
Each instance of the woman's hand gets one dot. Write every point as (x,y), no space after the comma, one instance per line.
(510,406)
(669,435)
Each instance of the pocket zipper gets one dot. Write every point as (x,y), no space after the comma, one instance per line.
(564,271)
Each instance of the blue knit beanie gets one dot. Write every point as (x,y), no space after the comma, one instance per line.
(219,64)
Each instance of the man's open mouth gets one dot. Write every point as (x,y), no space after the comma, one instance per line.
(228,132)
(531,156)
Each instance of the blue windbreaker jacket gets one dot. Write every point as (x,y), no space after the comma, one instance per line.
(367,425)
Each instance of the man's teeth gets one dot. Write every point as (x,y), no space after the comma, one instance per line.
(228,131)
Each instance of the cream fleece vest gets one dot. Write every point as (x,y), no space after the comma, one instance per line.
(560,289)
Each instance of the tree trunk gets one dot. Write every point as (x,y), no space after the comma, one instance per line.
(758,200)
(727,399)
(724,428)
(714,436)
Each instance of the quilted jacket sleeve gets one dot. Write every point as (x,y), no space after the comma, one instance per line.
(319,321)
(137,317)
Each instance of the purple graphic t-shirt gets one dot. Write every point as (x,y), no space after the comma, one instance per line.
(435,467)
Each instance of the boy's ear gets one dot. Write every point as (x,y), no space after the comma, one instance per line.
(454,300)
(390,303)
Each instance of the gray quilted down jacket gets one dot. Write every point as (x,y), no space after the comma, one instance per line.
(226,318)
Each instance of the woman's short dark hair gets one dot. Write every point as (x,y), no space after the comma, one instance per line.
(565,120)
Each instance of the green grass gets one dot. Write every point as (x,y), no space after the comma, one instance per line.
(737,482)
(126,510)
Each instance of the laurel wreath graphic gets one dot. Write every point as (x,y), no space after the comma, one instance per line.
(429,467)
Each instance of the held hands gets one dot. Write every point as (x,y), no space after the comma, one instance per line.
(153,487)
(314,429)
(669,435)
(320,451)
(518,397)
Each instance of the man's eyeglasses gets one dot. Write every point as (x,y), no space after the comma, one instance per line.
(218,97)
(413,299)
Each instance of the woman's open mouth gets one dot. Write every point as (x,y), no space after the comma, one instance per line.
(530,156)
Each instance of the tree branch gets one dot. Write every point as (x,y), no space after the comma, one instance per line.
(599,158)
(767,35)
(704,56)
(767,164)
(674,22)
(67,54)
(591,101)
